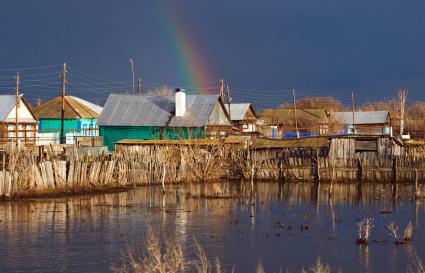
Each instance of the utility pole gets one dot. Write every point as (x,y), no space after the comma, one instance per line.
(222,90)
(132,75)
(62,135)
(139,87)
(295,114)
(352,109)
(17,109)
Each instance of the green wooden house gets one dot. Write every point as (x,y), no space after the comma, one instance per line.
(80,118)
(162,117)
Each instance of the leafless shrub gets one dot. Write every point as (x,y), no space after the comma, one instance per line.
(364,229)
(393,229)
(206,162)
(160,91)
(167,257)
(408,232)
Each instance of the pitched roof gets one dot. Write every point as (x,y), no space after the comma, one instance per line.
(128,110)
(8,102)
(74,108)
(238,111)
(366,117)
(281,115)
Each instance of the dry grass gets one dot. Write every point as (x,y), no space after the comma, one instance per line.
(168,257)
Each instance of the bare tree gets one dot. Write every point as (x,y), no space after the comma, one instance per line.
(160,91)
(400,106)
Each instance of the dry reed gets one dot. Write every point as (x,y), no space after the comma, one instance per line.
(364,229)
(408,232)
(168,257)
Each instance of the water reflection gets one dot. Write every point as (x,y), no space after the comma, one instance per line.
(285,225)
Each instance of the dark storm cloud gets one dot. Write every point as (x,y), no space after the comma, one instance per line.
(318,47)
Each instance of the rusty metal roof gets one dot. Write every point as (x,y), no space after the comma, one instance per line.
(274,116)
(312,142)
(74,108)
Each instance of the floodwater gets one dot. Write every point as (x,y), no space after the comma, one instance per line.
(92,233)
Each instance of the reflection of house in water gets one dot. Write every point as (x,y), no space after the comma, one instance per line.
(284,122)
(365,123)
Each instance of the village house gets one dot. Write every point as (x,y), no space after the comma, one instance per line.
(364,123)
(283,123)
(80,119)
(163,117)
(243,117)
(27,122)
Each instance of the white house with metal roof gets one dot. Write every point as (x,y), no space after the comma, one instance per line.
(243,117)
(27,122)
(162,117)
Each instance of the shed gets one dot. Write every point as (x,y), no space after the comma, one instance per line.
(27,121)
(159,117)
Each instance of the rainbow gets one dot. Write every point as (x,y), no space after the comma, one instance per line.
(194,72)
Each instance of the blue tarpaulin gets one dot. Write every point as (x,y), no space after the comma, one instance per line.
(288,135)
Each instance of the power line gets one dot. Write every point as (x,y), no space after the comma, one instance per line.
(29,68)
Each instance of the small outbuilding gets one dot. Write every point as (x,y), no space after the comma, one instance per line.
(163,117)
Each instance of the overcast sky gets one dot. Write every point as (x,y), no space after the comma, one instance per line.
(261,48)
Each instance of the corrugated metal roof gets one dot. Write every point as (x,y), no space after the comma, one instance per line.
(312,142)
(366,117)
(237,139)
(238,111)
(128,110)
(7,102)
(283,115)
(96,108)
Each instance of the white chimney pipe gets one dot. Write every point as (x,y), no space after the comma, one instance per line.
(180,102)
